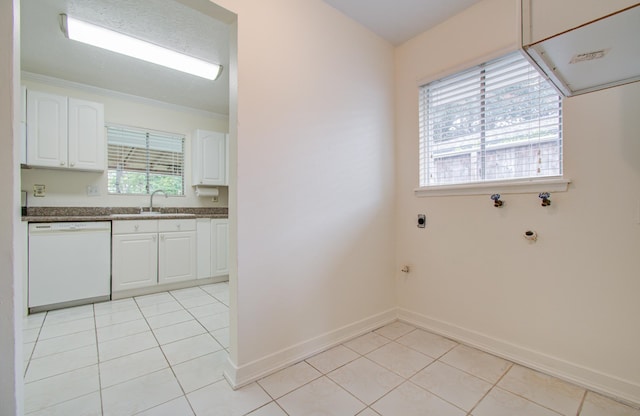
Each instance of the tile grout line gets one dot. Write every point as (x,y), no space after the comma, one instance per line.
(95,328)
(526,398)
(267,404)
(584,397)
(408,379)
(491,389)
(184,394)
(35,344)
(197,320)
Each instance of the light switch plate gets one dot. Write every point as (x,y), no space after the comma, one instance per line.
(39,190)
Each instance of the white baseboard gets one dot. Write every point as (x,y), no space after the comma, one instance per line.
(239,376)
(149,290)
(609,385)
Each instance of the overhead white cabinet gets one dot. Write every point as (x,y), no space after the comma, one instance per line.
(64,132)
(86,135)
(213,247)
(151,252)
(209,149)
(47,129)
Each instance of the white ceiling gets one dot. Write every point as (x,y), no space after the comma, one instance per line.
(46,51)
(400,20)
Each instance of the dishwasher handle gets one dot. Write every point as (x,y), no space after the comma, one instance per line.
(69,226)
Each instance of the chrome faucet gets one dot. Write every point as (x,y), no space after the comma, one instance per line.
(151,198)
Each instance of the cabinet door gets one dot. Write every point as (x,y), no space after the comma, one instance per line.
(46,130)
(220,242)
(177,257)
(203,247)
(23,126)
(134,261)
(210,158)
(86,135)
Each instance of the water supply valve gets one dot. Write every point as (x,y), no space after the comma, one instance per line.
(545,198)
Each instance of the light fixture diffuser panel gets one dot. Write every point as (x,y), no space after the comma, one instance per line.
(101,37)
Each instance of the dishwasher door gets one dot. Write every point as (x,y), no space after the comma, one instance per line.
(69,263)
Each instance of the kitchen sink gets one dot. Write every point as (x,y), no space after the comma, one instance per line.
(154,214)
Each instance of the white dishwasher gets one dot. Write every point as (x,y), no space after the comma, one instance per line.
(69,264)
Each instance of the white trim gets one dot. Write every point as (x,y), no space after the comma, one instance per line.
(470,64)
(62,83)
(518,186)
(524,14)
(239,376)
(607,384)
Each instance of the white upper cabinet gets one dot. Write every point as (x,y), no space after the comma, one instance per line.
(209,158)
(64,132)
(86,135)
(47,135)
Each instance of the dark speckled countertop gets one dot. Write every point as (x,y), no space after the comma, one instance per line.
(62,214)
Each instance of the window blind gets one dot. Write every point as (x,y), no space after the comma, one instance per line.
(142,161)
(499,120)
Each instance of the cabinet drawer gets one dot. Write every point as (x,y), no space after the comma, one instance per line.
(134,226)
(176,225)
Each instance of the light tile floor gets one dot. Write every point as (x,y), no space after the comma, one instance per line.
(163,354)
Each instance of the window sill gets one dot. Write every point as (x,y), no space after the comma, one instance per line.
(520,186)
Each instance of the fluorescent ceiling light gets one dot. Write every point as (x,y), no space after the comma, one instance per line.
(117,42)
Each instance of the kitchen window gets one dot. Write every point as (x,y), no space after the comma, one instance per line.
(494,123)
(142,161)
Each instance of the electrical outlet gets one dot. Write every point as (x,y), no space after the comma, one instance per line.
(92,190)
(422,220)
(38,190)
(214,198)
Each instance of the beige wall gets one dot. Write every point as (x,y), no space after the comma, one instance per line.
(64,188)
(566,304)
(315,180)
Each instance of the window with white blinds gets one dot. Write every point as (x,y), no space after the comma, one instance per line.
(142,161)
(497,121)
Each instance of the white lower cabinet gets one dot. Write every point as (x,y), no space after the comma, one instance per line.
(151,252)
(220,249)
(134,261)
(177,256)
(213,247)
(203,236)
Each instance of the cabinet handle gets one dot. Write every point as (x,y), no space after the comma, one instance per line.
(162,237)
(136,227)
(72,164)
(154,238)
(61,163)
(178,226)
